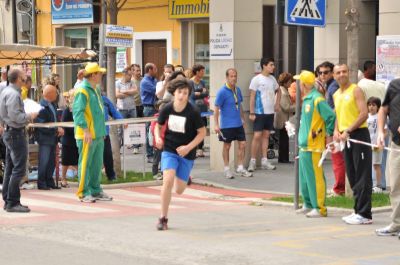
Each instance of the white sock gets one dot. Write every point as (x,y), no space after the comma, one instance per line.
(226,168)
(264,159)
(240,168)
(253,160)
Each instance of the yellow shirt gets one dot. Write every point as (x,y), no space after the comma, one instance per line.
(24,92)
(346,108)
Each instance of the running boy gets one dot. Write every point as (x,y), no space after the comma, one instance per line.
(374,104)
(185,131)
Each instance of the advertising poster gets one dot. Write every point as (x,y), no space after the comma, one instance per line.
(71,12)
(387,58)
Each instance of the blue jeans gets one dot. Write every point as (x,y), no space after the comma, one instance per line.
(15,168)
(47,165)
(148,111)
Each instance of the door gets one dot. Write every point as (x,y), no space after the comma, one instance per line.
(155,51)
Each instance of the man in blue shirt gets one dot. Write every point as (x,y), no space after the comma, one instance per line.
(148,96)
(228,105)
(108,160)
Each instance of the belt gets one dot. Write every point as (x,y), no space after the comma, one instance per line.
(9,128)
(148,105)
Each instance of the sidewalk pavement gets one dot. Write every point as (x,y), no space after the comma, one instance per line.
(281,180)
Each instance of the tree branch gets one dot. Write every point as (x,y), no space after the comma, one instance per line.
(119,6)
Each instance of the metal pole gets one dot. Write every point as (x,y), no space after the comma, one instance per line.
(299,62)
(33,22)
(14,21)
(102,61)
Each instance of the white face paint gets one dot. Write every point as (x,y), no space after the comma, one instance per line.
(176,123)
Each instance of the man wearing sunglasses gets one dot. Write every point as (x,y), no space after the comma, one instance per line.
(325,74)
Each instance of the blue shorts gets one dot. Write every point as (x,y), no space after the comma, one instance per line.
(182,166)
(232,134)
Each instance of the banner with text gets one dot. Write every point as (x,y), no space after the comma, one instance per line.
(221,40)
(71,12)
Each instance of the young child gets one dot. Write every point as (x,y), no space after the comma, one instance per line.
(373,107)
(184,132)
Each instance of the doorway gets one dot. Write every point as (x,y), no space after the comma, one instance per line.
(155,51)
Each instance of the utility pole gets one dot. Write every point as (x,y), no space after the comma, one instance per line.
(14,20)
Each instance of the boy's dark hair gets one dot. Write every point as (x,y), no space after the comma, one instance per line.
(266,61)
(368,65)
(196,68)
(179,84)
(374,100)
(174,75)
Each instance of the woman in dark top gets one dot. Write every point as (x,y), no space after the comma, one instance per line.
(184,132)
(69,150)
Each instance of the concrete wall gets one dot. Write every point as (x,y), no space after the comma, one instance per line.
(331,42)
(389,17)
(247,49)
(6,31)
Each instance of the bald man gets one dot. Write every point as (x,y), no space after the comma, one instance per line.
(79,77)
(47,139)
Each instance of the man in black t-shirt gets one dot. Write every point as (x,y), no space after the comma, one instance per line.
(391,107)
(184,132)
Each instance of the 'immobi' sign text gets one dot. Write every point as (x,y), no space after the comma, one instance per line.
(188,8)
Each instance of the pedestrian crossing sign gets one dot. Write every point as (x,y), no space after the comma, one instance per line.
(311,13)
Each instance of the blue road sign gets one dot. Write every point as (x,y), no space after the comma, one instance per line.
(311,13)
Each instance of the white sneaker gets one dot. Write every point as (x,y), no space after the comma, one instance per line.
(387,231)
(358,220)
(377,189)
(228,174)
(303,210)
(344,218)
(314,213)
(135,151)
(267,165)
(252,166)
(27,186)
(244,173)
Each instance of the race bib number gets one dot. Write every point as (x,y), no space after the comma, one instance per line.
(176,123)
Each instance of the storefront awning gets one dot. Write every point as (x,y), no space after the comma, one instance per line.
(11,54)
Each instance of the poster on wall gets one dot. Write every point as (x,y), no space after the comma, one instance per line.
(71,12)
(121,59)
(221,40)
(387,58)
(116,36)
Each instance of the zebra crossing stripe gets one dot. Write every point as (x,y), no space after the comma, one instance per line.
(65,206)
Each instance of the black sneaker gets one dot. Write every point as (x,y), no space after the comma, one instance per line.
(18,209)
(162,224)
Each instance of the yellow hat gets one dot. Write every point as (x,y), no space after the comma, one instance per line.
(94,68)
(306,77)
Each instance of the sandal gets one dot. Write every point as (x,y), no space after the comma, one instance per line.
(64,184)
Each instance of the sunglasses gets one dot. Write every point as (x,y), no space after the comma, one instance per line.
(324,72)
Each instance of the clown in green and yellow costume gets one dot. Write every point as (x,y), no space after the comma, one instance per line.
(317,122)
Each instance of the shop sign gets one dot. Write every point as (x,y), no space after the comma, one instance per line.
(135,134)
(121,59)
(221,40)
(116,36)
(178,9)
(387,58)
(71,12)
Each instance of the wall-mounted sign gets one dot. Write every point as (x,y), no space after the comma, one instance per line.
(71,12)
(188,8)
(116,36)
(221,40)
(122,60)
(387,58)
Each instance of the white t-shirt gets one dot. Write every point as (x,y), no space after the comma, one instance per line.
(159,86)
(373,127)
(265,88)
(372,88)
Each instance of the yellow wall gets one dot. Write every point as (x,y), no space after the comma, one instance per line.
(45,32)
(143,16)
